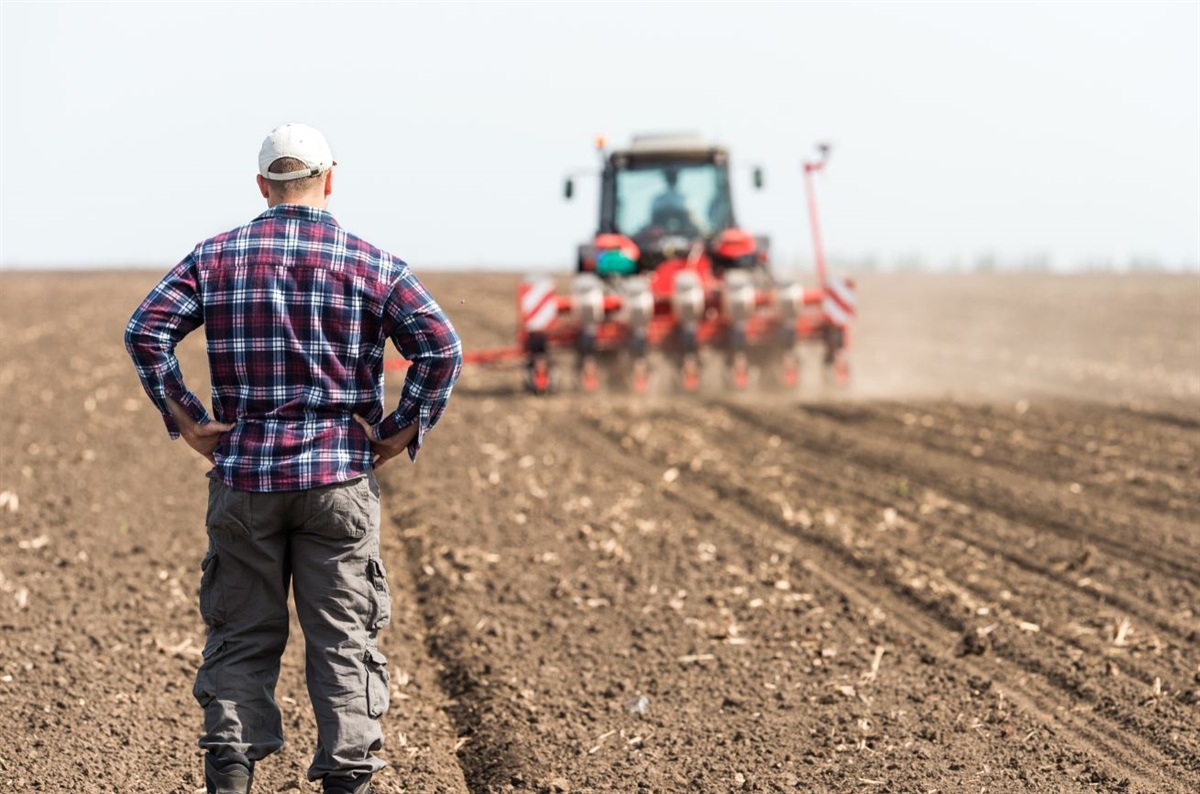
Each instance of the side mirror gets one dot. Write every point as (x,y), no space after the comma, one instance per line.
(569,189)
(758,178)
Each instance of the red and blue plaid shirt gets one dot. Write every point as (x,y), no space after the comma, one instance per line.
(297,314)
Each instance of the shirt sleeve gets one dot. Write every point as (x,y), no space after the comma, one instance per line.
(422,333)
(170,312)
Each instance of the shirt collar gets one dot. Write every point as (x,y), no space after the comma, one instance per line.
(299,212)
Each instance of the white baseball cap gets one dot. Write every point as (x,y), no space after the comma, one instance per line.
(301,142)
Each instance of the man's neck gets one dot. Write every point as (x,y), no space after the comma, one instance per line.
(304,201)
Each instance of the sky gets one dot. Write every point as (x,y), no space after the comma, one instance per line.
(1068,132)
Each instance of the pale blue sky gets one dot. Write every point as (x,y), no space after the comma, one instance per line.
(130,131)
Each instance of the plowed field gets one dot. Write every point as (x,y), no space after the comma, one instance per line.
(978,570)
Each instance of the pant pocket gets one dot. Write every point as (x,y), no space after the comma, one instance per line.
(228,510)
(212,601)
(381,597)
(338,511)
(377,683)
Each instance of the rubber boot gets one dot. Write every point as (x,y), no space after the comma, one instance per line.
(232,779)
(359,784)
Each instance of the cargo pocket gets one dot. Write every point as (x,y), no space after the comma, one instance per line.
(212,601)
(377,683)
(338,511)
(381,597)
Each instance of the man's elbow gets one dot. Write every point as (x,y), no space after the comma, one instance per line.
(450,364)
(133,338)
(456,356)
(143,344)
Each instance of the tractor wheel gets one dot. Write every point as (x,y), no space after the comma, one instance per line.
(690,373)
(740,372)
(589,375)
(640,376)
(537,378)
(789,374)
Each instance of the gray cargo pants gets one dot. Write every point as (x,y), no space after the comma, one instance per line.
(325,543)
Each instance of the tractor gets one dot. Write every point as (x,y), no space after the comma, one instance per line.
(670,271)
(670,276)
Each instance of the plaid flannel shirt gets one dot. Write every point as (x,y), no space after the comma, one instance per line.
(297,313)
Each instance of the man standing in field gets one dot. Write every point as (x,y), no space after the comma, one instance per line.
(297,313)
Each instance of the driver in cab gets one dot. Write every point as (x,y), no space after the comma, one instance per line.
(670,210)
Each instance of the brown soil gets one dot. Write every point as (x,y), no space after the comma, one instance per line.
(976,571)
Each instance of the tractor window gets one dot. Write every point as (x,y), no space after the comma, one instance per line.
(690,200)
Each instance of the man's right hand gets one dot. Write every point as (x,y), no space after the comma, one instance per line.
(386,449)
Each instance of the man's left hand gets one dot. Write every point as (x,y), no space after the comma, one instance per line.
(201,437)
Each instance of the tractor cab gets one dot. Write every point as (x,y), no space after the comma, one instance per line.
(660,199)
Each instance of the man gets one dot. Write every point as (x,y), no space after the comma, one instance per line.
(297,315)
(670,208)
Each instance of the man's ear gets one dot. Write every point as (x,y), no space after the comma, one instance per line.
(262,185)
(328,182)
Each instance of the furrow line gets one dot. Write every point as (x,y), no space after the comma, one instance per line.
(995,498)
(1157,496)
(1029,578)
(1137,607)
(942,630)
(486,757)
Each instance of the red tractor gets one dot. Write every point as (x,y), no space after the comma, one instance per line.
(671,272)
(671,275)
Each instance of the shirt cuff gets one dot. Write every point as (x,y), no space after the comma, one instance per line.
(191,404)
(407,413)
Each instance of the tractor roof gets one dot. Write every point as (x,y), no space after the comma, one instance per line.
(684,146)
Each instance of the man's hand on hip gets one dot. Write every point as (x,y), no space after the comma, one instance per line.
(201,437)
(386,449)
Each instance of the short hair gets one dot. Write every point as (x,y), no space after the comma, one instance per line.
(293,187)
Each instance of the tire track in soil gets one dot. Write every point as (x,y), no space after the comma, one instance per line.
(486,755)
(419,736)
(1171,666)
(1151,666)
(1002,493)
(1172,420)
(938,627)
(491,752)
(1083,439)
(1143,582)
(1158,428)
(1014,441)
(711,749)
(483,311)
(1010,538)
